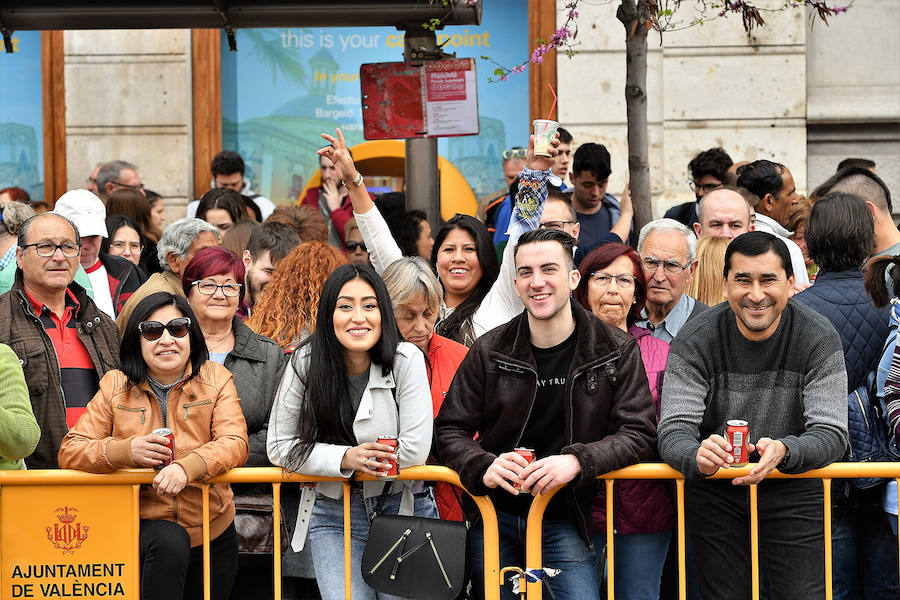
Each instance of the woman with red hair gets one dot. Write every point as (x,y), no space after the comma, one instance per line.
(287,310)
(613,288)
(213,282)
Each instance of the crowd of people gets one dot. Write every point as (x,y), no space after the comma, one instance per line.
(299,336)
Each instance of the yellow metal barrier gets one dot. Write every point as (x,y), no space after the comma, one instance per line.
(663,471)
(275,476)
(492,580)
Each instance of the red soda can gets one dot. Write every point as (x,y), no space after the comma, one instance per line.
(170,435)
(527,454)
(391,441)
(737,433)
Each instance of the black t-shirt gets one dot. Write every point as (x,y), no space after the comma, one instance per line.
(545,430)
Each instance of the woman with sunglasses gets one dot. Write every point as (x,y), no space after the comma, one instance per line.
(613,287)
(165,380)
(478,293)
(350,383)
(211,284)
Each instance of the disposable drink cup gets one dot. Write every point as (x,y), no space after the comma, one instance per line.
(543,134)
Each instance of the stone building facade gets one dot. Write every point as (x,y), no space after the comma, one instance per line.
(796,91)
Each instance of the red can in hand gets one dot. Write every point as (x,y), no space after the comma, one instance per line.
(391,441)
(169,435)
(527,454)
(737,433)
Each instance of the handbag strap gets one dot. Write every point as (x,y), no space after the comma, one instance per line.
(379,506)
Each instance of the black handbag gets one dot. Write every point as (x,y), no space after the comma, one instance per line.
(416,557)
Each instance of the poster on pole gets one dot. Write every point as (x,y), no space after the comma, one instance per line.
(436,98)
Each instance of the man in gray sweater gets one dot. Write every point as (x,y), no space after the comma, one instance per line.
(778,365)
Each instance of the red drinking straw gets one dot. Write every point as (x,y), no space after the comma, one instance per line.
(552,106)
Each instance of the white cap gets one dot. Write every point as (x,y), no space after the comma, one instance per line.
(84,209)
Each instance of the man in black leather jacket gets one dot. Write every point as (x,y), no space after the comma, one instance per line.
(560,381)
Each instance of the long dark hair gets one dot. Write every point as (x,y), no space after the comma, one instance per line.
(326,413)
(453,326)
(131,361)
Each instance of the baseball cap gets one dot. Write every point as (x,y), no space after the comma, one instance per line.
(84,209)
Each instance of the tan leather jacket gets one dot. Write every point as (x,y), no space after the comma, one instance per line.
(205,415)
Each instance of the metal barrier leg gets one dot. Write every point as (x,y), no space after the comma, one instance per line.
(754,543)
(276,525)
(682,571)
(347,570)
(136,553)
(206,542)
(610,544)
(826,490)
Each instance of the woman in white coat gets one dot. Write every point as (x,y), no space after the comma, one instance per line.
(352,382)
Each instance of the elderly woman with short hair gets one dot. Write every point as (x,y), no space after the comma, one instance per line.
(177,246)
(213,283)
(416,296)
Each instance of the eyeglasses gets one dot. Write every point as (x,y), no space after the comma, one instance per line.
(352,246)
(46,249)
(704,187)
(208,288)
(624,281)
(133,246)
(559,225)
(153,330)
(139,186)
(669,266)
(517,152)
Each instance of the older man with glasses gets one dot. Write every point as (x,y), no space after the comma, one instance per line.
(667,249)
(64,342)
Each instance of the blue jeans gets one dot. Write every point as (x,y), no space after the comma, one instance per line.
(326,540)
(863,549)
(562,549)
(639,560)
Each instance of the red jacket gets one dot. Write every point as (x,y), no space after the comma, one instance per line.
(444,357)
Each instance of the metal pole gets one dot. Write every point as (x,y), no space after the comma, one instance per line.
(423,190)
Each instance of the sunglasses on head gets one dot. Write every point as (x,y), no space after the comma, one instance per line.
(516,152)
(351,246)
(153,330)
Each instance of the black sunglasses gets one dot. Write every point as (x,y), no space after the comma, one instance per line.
(351,246)
(153,330)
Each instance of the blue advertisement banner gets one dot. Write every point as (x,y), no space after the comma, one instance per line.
(283,87)
(21,116)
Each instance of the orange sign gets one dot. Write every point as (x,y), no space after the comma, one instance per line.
(68,542)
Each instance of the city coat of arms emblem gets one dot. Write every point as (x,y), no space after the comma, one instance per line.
(68,534)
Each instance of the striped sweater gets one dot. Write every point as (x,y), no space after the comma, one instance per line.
(790,387)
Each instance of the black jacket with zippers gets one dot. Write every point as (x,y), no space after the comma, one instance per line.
(609,413)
